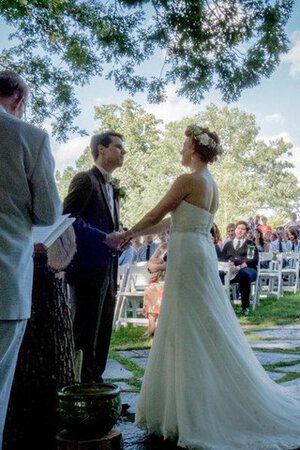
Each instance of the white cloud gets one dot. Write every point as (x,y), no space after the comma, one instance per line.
(66,154)
(285,135)
(293,56)
(275,118)
(174,108)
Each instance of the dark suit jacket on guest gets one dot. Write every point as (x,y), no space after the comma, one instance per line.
(239,256)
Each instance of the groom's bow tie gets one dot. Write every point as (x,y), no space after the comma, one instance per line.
(107,177)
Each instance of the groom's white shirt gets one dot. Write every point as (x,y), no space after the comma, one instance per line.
(28,196)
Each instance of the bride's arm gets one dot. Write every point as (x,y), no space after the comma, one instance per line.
(160,227)
(153,222)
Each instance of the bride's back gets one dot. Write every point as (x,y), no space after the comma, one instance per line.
(203,191)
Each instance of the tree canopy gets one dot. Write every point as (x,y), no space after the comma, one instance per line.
(59,44)
(251,174)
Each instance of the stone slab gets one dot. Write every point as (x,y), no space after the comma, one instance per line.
(115,371)
(295,383)
(141,362)
(275,375)
(131,398)
(143,353)
(287,369)
(124,386)
(279,333)
(275,344)
(274,358)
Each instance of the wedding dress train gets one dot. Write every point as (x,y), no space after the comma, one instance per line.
(203,385)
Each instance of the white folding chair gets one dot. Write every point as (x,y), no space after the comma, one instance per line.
(122,277)
(269,276)
(290,271)
(224,266)
(131,298)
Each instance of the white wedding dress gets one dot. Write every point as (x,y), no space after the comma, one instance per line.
(203,386)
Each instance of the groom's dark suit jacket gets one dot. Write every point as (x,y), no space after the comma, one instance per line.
(93,271)
(87,201)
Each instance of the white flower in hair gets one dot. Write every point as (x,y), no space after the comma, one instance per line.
(203,138)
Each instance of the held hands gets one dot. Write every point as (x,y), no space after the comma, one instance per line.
(113,240)
(117,240)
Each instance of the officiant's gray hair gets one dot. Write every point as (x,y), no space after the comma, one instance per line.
(102,139)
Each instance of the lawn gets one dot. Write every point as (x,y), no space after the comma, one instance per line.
(269,312)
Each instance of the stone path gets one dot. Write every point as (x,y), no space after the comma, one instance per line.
(277,346)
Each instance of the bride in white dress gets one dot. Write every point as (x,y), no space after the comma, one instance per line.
(203,386)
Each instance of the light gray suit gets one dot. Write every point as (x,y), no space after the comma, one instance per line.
(28,196)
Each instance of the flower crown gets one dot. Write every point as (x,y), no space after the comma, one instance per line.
(204,139)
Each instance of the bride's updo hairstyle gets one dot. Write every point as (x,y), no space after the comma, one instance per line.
(207,143)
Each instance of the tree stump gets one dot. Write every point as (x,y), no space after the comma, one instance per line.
(112,441)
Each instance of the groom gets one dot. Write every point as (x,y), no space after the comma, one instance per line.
(92,277)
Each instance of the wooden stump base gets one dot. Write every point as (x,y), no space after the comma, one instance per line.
(112,441)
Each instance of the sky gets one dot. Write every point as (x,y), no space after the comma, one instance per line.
(275,102)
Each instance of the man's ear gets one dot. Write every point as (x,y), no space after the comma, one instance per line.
(17,101)
(101,149)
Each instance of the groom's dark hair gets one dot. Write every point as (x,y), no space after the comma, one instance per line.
(102,139)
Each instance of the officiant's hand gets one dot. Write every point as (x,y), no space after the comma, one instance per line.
(113,240)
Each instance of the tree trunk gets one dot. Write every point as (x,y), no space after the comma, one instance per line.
(45,364)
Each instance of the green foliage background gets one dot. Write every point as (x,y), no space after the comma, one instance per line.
(60,44)
(251,174)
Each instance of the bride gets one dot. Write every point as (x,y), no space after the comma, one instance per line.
(203,386)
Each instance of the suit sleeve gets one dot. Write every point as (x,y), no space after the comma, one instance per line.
(79,192)
(46,204)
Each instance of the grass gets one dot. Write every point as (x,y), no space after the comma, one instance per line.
(269,312)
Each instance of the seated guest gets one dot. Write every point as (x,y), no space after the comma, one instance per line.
(278,242)
(128,255)
(136,242)
(146,250)
(216,236)
(245,265)
(229,233)
(294,241)
(267,238)
(292,222)
(259,241)
(264,227)
(154,292)
(256,221)
(251,223)
(250,234)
